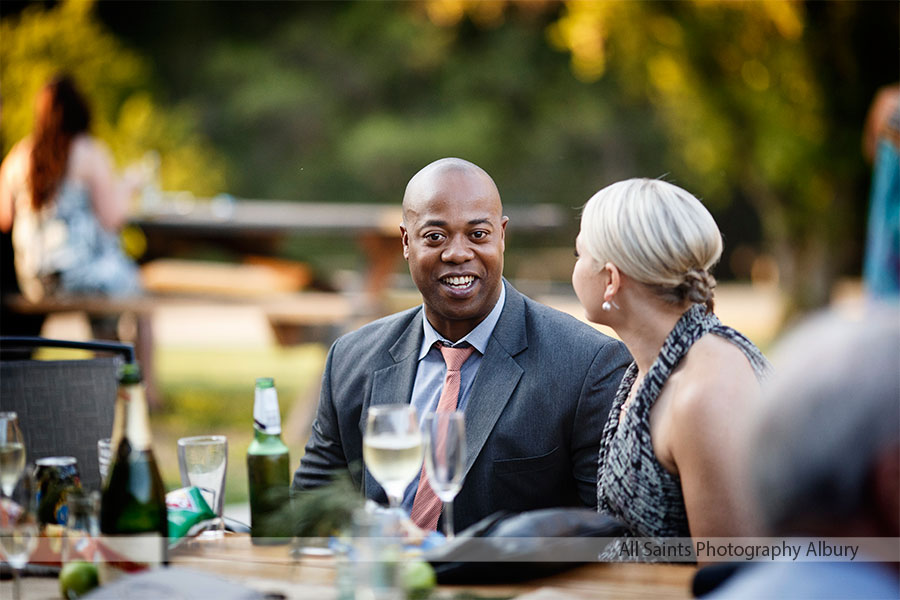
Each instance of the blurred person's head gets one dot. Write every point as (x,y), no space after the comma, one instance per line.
(61,113)
(655,233)
(824,448)
(453,236)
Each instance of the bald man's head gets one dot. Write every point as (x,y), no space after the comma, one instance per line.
(453,236)
(433,176)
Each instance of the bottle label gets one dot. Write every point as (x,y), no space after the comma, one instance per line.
(128,554)
(266,416)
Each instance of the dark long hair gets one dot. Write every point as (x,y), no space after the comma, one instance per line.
(61,114)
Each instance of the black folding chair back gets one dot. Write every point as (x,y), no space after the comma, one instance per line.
(64,406)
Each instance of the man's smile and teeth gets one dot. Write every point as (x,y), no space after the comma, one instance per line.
(459,282)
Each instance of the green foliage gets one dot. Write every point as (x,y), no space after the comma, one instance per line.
(323,511)
(346,100)
(742,92)
(40,43)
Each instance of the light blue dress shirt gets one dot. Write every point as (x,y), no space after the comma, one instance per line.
(432,369)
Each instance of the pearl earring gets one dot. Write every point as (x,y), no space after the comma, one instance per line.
(606,306)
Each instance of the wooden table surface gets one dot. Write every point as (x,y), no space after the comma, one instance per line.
(272,569)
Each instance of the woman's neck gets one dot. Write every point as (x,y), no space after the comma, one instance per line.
(645,332)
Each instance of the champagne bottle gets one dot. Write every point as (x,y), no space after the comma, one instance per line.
(133,518)
(268,468)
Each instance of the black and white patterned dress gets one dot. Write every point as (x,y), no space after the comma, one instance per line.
(632,485)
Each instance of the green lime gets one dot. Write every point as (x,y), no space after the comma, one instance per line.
(77,578)
(418,578)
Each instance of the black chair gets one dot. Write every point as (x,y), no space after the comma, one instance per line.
(64,406)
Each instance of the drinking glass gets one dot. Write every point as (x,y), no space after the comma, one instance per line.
(19,527)
(82,526)
(445,458)
(377,555)
(202,460)
(392,448)
(12,452)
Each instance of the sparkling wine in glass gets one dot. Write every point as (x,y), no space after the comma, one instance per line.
(445,458)
(392,448)
(19,527)
(12,452)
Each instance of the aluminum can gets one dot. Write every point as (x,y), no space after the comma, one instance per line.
(55,477)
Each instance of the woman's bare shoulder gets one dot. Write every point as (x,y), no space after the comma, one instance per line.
(14,168)
(19,153)
(87,147)
(714,374)
(87,156)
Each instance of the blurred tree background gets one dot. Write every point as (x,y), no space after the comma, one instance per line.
(42,41)
(757,107)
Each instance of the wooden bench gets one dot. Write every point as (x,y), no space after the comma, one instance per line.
(294,317)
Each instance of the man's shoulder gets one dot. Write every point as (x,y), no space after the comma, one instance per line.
(382,331)
(560,324)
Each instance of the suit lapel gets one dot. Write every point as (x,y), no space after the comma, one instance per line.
(497,376)
(394,383)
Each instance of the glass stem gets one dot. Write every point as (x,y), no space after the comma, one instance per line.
(448,519)
(17,585)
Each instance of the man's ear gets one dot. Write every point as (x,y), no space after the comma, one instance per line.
(404,239)
(503,223)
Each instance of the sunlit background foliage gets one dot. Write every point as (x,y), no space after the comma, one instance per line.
(755,106)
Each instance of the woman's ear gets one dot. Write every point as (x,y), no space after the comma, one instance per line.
(614,283)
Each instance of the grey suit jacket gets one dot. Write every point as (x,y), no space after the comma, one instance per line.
(534,417)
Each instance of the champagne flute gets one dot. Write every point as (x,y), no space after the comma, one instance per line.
(445,458)
(12,452)
(19,527)
(392,448)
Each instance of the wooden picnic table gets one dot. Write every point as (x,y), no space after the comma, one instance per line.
(258,226)
(275,570)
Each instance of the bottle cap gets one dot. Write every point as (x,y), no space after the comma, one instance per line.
(265,382)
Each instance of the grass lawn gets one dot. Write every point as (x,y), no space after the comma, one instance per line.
(210,391)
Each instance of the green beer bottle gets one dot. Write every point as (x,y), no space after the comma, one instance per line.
(133,518)
(268,468)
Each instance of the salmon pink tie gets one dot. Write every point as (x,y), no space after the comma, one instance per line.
(426,509)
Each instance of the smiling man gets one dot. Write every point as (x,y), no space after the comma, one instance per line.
(535,385)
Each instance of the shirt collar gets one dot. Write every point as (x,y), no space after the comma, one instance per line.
(477,338)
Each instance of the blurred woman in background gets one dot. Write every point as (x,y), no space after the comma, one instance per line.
(667,465)
(61,195)
(65,203)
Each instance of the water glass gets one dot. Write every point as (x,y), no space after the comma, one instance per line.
(202,461)
(82,526)
(376,554)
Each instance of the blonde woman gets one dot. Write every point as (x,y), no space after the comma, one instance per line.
(667,462)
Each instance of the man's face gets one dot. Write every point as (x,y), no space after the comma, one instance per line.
(453,239)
